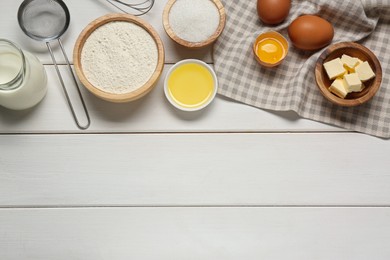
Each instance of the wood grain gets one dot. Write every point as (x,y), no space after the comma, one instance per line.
(194,169)
(195,233)
(354,50)
(156,172)
(126,97)
(194,45)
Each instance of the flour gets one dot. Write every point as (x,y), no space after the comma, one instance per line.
(119,57)
(194,20)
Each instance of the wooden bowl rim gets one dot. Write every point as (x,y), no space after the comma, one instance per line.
(374,86)
(194,45)
(125,97)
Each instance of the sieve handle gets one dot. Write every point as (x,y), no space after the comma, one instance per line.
(64,88)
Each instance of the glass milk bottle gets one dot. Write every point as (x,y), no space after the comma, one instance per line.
(22,77)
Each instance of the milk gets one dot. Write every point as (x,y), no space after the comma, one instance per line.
(10,66)
(22,83)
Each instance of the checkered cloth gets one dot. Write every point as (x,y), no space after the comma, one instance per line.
(292,85)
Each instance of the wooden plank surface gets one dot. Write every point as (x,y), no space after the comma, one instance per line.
(194,169)
(232,182)
(195,233)
(152,113)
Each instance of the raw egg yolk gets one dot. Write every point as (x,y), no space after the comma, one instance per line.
(270,50)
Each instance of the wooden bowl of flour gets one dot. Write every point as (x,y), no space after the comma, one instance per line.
(190,25)
(119,57)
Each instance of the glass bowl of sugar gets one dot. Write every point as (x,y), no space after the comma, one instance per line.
(119,57)
(194,23)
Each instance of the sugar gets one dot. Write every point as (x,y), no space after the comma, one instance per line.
(194,20)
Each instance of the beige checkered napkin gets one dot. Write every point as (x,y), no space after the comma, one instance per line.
(292,86)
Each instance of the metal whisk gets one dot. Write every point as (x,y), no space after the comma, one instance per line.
(141,7)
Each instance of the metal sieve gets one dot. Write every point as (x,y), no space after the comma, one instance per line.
(141,7)
(47,20)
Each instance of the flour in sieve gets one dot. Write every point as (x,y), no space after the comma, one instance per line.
(119,57)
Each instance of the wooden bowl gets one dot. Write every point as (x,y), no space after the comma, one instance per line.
(194,45)
(112,97)
(354,50)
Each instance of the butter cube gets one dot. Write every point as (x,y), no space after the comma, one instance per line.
(364,71)
(349,62)
(352,82)
(358,63)
(338,88)
(334,68)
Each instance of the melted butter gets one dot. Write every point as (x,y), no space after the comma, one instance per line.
(270,50)
(190,85)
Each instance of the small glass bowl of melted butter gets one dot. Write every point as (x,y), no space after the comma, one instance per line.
(190,85)
(270,48)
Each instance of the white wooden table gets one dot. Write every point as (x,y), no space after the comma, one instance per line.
(148,182)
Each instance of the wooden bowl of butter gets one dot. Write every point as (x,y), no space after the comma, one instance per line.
(348,74)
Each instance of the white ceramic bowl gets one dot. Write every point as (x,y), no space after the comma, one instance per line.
(205,104)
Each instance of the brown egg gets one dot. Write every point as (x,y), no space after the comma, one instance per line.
(273,11)
(310,32)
